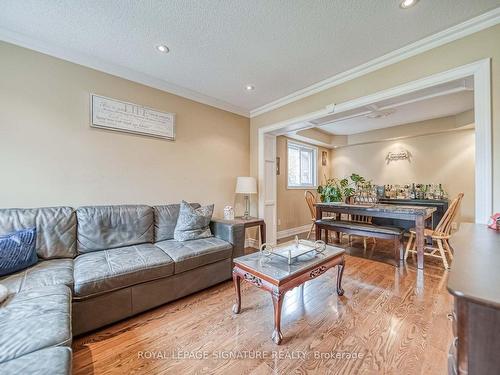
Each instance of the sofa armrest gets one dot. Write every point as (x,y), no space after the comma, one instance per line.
(230,232)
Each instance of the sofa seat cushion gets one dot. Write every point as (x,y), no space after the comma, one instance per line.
(107,270)
(35,319)
(51,361)
(196,253)
(44,273)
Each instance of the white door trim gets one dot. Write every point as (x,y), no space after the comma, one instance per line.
(268,186)
(480,70)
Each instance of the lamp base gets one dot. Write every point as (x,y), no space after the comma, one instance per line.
(246,215)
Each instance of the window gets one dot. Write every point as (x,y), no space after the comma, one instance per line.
(301,165)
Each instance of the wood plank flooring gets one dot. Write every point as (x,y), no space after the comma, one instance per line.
(394,320)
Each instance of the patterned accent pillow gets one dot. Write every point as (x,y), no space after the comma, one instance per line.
(193,223)
(17,251)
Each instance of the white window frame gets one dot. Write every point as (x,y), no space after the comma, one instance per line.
(307,147)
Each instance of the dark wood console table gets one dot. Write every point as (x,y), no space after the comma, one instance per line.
(474,281)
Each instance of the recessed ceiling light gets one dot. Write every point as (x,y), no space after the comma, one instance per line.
(249,87)
(162,48)
(405,4)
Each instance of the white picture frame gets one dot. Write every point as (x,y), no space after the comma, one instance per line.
(118,115)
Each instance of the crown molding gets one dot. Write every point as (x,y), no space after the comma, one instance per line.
(459,31)
(93,62)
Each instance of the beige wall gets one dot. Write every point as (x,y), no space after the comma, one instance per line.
(484,44)
(292,210)
(51,156)
(446,158)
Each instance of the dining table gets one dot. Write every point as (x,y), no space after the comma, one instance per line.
(419,215)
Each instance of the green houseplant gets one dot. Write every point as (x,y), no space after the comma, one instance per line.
(339,190)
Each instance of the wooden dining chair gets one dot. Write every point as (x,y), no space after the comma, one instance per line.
(311,200)
(361,218)
(440,236)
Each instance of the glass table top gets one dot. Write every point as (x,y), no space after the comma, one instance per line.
(277,267)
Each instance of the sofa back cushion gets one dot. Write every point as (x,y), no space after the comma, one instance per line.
(107,227)
(55,229)
(166,219)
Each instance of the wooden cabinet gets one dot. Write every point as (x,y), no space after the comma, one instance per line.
(475,284)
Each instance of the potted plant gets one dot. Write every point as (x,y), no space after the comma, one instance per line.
(339,190)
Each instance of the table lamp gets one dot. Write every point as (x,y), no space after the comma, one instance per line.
(247,186)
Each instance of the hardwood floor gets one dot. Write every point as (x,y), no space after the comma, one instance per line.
(393,319)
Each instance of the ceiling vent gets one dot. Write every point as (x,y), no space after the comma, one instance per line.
(380,114)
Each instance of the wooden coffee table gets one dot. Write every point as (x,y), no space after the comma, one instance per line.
(274,275)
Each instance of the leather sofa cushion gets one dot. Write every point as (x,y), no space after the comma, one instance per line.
(42,274)
(35,319)
(53,361)
(196,253)
(166,219)
(104,271)
(107,227)
(55,228)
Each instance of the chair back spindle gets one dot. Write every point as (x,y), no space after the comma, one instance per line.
(311,200)
(445,224)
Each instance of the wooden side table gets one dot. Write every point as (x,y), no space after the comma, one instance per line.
(254,222)
(249,223)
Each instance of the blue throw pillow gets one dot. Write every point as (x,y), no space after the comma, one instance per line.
(17,251)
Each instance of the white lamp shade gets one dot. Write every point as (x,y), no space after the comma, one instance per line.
(246,185)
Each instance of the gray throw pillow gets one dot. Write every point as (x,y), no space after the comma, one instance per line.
(193,223)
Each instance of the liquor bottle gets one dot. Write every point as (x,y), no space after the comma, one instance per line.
(413,193)
(428,192)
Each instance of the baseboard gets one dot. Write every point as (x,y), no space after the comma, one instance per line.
(293,231)
(251,242)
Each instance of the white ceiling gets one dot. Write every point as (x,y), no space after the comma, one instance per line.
(217,47)
(420,110)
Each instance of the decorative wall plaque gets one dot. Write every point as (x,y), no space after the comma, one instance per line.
(127,117)
(397,155)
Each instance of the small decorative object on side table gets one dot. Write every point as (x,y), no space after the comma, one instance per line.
(277,275)
(228,213)
(246,186)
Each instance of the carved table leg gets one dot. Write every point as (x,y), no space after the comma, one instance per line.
(277,303)
(340,271)
(236,281)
